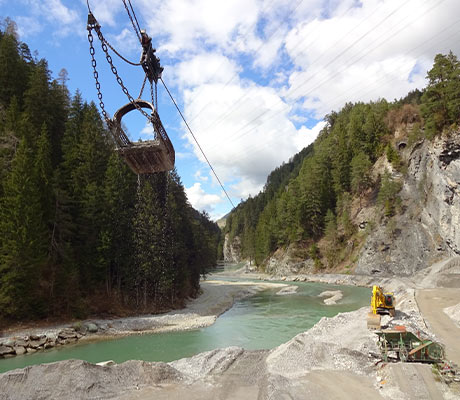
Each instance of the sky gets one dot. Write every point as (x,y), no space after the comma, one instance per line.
(253,78)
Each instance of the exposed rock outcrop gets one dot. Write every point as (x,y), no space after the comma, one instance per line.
(428,229)
(285,262)
(232,249)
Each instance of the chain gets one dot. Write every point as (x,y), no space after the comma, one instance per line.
(119,55)
(118,78)
(96,76)
(153,119)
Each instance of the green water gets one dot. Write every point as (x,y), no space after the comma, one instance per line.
(262,321)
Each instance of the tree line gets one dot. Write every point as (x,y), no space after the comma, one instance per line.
(79,231)
(309,198)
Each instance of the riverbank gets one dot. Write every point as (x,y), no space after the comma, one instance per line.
(338,350)
(216,298)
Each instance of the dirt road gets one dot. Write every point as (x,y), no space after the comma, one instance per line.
(431,303)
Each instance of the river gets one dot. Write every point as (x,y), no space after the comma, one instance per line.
(262,321)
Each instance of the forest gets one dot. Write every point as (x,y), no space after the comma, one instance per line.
(308,200)
(80,233)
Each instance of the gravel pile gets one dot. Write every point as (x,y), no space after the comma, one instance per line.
(340,343)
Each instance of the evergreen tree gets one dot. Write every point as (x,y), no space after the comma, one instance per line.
(360,174)
(24,238)
(441,100)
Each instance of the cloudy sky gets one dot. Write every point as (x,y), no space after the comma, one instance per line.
(254,78)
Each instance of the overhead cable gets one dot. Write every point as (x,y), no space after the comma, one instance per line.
(196,141)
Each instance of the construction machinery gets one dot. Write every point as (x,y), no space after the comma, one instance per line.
(381,304)
(400,344)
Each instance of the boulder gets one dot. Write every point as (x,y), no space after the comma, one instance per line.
(37,343)
(4,350)
(34,337)
(31,350)
(67,333)
(21,342)
(20,350)
(92,328)
(8,342)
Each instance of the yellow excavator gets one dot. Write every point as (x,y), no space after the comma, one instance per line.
(381,304)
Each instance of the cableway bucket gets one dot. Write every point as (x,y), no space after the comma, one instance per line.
(143,157)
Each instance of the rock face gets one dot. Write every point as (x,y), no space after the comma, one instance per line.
(285,263)
(232,249)
(429,227)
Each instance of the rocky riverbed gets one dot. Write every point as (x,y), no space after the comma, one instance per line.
(216,298)
(337,358)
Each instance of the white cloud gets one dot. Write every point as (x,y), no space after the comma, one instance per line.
(126,42)
(190,25)
(204,68)
(200,200)
(367,53)
(183,156)
(199,176)
(245,132)
(64,19)
(57,11)
(28,26)
(105,11)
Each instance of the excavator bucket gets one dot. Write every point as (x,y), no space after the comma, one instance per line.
(373,321)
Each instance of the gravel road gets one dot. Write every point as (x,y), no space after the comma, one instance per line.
(431,303)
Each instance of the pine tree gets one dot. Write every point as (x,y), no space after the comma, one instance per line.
(360,174)
(24,246)
(13,70)
(441,100)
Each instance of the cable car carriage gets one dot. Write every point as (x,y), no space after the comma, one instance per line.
(143,157)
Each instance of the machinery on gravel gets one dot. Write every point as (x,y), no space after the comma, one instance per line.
(400,344)
(381,304)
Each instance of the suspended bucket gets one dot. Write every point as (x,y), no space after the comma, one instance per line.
(143,157)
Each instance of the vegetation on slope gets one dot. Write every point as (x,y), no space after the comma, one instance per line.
(309,199)
(78,233)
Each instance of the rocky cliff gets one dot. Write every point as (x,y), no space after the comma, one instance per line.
(232,249)
(428,227)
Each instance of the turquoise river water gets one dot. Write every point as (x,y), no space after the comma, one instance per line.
(262,321)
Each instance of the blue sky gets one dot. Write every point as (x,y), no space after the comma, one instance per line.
(253,78)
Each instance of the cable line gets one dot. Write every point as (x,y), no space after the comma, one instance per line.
(264,42)
(306,81)
(219,120)
(196,141)
(245,132)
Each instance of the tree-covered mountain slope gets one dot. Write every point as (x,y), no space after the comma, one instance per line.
(361,179)
(79,233)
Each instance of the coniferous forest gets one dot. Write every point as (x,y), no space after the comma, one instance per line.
(308,200)
(80,233)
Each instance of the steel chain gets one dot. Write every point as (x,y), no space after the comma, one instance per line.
(119,55)
(96,77)
(153,119)
(119,80)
